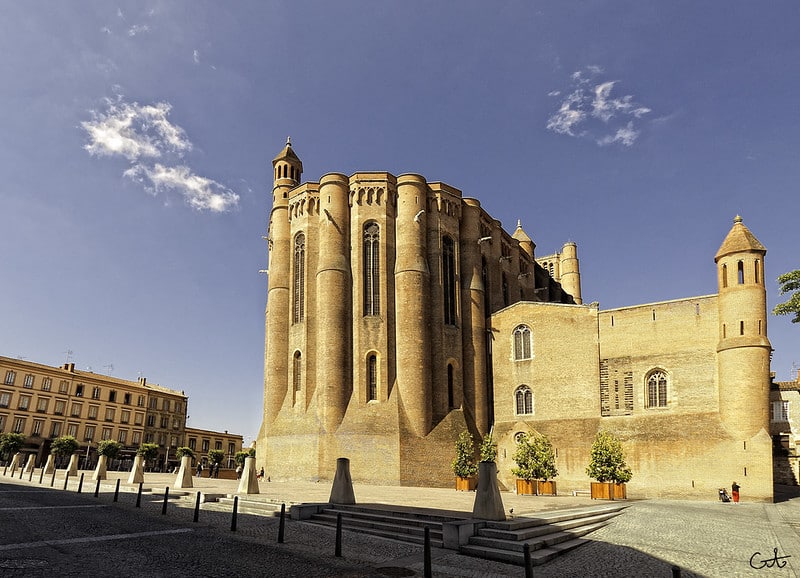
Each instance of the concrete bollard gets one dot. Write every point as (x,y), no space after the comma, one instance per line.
(184,477)
(248,484)
(166,498)
(282,524)
(342,490)
(97,489)
(100,470)
(116,491)
(80,483)
(139,496)
(72,468)
(197,508)
(235,508)
(30,465)
(137,471)
(50,465)
(488,502)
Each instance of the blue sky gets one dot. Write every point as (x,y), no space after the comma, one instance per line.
(135,171)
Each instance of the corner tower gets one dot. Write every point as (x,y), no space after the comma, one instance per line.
(743,350)
(287,170)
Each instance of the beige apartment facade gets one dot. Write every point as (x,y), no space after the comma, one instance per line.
(785,430)
(44,402)
(201,441)
(400,313)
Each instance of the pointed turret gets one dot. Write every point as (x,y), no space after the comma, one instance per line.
(525,242)
(287,171)
(743,349)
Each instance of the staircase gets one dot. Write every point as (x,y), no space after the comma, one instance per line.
(548,534)
(406,526)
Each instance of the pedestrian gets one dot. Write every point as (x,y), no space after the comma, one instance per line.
(199,469)
(216,470)
(238,472)
(735,492)
(261,473)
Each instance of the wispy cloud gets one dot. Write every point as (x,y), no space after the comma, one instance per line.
(143,133)
(590,110)
(138,29)
(196,56)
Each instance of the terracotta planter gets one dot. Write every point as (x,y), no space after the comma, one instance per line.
(466,484)
(536,487)
(608,491)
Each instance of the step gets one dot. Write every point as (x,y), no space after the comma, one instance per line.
(386,525)
(391,534)
(538,557)
(543,529)
(393,513)
(554,517)
(539,542)
(388,516)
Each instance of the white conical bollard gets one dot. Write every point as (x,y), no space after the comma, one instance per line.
(137,471)
(30,464)
(184,478)
(342,490)
(72,468)
(249,483)
(100,470)
(15,463)
(50,465)
(488,503)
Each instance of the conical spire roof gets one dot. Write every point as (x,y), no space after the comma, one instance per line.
(287,154)
(520,235)
(739,240)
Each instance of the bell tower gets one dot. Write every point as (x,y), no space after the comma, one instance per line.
(743,350)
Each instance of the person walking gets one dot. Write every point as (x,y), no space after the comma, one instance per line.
(735,492)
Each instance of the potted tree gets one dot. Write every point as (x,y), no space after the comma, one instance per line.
(65,446)
(10,444)
(145,453)
(184,478)
(536,465)
(107,450)
(215,458)
(607,466)
(488,449)
(463,464)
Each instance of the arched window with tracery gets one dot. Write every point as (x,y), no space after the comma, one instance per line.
(372,269)
(449,280)
(372,378)
(450,387)
(522,343)
(657,383)
(523,400)
(299,277)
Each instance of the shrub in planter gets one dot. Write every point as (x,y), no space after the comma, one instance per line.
(536,465)
(463,464)
(607,466)
(184,451)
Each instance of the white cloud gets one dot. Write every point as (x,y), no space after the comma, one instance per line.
(142,133)
(138,29)
(196,56)
(591,110)
(133,131)
(200,193)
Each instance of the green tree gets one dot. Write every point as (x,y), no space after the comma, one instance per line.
(216,456)
(535,458)
(11,443)
(790,283)
(239,457)
(184,451)
(607,461)
(464,463)
(148,452)
(64,446)
(109,448)
(488,449)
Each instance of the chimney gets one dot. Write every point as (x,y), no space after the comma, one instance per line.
(142,380)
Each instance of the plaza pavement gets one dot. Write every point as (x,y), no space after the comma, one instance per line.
(702,538)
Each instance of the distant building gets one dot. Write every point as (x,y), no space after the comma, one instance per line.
(400,313)
(200,441)
(785,429)
(44,402)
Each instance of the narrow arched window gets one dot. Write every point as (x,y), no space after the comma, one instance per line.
(522,343)
(371,269)
(740,272)
(297,371)
(724,275)
(449,280)
(372,378)
(657,389)
(523,400)
(756,272)
(450,394)
(299,277)
(505,290)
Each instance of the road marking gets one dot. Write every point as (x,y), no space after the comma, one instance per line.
(22,545)
(50,507)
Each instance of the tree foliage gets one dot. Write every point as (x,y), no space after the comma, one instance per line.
(147,451)
(535,458)
(184,451)
(607,461)
(64,446)
(11,443)
(239,457)
(464,463)
(109,448)
(216,456)
(488,449)
(790,283)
